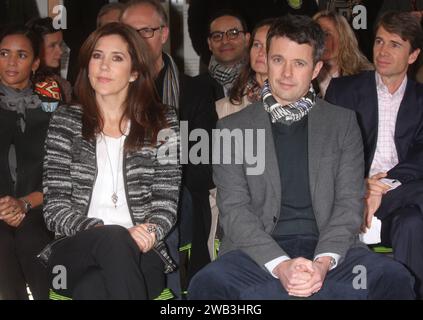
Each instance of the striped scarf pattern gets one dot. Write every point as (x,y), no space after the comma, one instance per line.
(290,113)
(171,88)
(224,75)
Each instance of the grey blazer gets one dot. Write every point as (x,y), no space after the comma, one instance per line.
(250,204)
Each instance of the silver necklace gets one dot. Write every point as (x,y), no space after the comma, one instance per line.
(114,197)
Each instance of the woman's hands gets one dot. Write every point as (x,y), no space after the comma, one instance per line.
(144,235)
(12,211)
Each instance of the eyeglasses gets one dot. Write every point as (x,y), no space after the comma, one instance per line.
(147,33)
(231,34)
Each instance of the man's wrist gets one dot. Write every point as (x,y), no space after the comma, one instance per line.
(327,261)
(26,204)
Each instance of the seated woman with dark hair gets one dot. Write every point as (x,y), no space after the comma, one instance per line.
(111,186)
(47,80)
(24,119)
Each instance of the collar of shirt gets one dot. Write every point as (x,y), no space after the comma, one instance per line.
(382,88)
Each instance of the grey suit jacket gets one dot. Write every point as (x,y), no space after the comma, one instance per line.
(250,204)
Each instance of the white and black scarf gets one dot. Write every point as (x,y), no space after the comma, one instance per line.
(225,75)
(171,88)
(19,101)
(290,113)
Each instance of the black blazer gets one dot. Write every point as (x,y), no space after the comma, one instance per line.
(216,87)
(197,106)
(29,147)
(359,94)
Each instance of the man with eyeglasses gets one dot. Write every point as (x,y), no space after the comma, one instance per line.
(194,101)
(149,18)
(228,41)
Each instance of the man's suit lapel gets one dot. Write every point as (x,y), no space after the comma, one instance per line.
(368,110)
(406,115)
(316,139)
(261,120)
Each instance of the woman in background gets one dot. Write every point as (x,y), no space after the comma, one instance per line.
(342,56)
(48,81)
(24,120)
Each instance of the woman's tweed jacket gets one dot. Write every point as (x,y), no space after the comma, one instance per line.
(152,179)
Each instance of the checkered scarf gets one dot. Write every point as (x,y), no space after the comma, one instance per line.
(290,113)
(224,75)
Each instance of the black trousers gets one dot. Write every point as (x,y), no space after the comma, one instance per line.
(401,213)
(235,276)
(105,263)
(406,238)
(18,263)
(201,224)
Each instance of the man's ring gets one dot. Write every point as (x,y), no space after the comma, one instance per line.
(151,229)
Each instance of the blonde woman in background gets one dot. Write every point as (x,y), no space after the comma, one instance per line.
(342,56)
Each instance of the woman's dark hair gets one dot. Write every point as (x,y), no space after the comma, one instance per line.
(43,27)
(34,38)
(405,25)
(142,106)
(238,89)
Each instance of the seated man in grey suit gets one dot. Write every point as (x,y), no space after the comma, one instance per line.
(292,231)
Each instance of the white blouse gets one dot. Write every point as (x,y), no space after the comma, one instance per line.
(110,180)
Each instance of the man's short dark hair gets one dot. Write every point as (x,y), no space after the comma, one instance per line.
(405,25)
(155,4)
(300,29)
(230,13)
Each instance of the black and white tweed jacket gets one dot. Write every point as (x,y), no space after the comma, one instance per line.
(152,182)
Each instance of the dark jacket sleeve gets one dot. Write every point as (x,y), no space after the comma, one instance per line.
(199,112)
(411,168)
